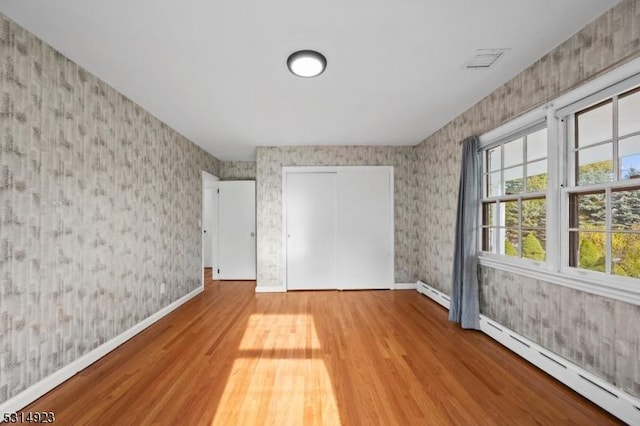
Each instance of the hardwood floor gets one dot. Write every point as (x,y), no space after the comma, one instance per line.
(231,356)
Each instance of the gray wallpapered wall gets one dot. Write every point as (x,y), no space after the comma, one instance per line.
(238,170)
(594,332)
(99,203)
(269,203)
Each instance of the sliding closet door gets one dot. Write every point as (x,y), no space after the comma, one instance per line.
(311,231)
(365,228)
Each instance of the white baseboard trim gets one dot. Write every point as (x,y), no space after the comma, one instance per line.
(619,403)
(38,389)
(405,286)
(265,289)
(434,294)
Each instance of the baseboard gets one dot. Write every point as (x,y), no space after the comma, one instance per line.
(38,389)
(619,403)
(405,286)
(396,286)
(265,289)
(432,293)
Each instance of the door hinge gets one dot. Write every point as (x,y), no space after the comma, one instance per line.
(218,190)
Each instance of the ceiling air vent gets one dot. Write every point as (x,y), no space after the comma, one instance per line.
(484,58)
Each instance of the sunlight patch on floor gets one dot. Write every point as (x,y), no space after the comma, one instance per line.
(279,376)
(280,332)
(279,392)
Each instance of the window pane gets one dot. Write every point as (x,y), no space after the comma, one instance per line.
(509,242)
(629,152)
(513,180)
(493,159)
(537,145)
(513,153)
(510,213)
(533,244)
(489,240)
(537,176)
(587,211)
(494,184)
(595,125)
(625,209)
(591,254)
(534,213)
(595,165)
(626,254)
(629,114)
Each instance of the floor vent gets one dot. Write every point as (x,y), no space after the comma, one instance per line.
(614,400)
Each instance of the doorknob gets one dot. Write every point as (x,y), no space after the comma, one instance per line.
(253,234)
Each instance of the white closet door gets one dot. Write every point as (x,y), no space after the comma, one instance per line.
(365,228)
(311,231)
(237,230)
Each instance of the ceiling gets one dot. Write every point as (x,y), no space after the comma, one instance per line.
(215,70)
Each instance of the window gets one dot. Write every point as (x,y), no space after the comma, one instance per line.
(604,186)
(514,210)
(560,199)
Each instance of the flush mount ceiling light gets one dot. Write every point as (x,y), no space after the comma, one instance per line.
(306,63)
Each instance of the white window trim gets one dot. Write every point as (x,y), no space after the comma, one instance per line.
(556,270)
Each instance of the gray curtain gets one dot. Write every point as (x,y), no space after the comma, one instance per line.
(464,307)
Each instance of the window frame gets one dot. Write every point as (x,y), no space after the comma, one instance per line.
(560,169)
(570,187)
(534,127)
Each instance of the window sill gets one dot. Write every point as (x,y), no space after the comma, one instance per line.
(618,288)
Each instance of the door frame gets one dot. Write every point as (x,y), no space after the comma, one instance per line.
(206,178)
(286,170)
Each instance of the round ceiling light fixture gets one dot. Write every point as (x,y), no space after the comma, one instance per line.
(307,63)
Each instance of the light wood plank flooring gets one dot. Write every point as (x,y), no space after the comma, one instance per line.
(233,357)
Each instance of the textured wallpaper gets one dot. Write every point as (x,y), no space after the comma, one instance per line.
(597,333)
(269,203)
(238,170)
(99,204)
(592,331)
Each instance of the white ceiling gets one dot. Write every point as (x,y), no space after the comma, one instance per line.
(215,70)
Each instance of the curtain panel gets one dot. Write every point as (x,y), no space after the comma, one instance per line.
(465,308)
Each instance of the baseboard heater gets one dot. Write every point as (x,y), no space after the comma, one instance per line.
(619,403)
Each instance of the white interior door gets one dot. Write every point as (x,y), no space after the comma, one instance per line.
(237,230)
(365,228)
(311,231)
